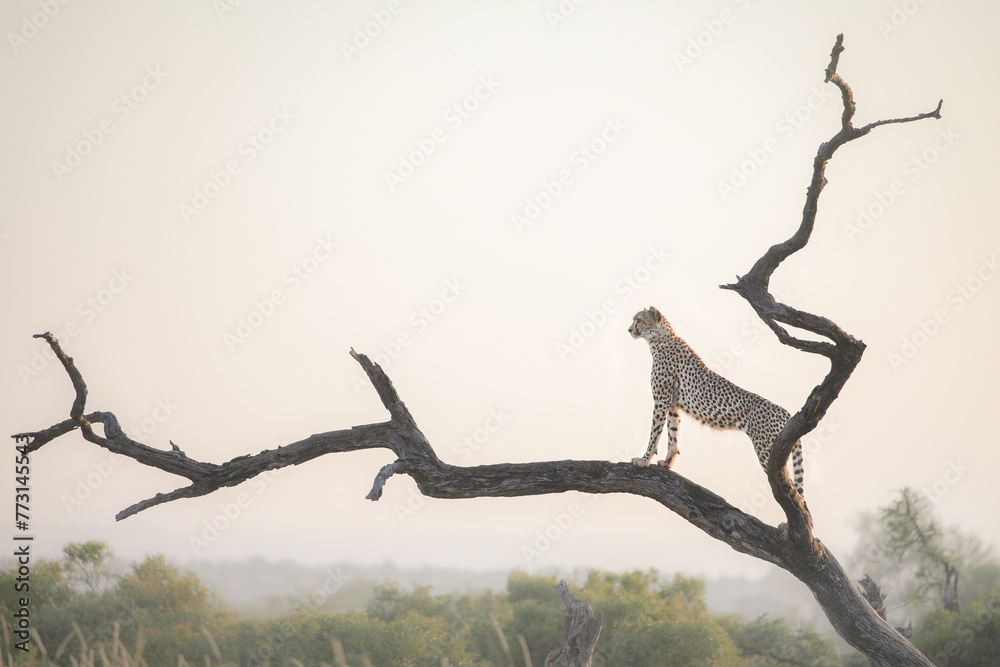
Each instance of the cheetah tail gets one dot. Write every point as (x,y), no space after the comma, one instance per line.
(797,467)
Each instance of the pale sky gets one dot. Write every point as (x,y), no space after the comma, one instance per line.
(212,204)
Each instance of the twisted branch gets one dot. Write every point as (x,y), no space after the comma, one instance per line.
(843,350)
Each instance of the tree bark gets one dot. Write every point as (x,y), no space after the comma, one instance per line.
(795,549)
(582,631)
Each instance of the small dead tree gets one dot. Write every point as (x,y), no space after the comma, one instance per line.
(794,549)
(582,631)
(876,598)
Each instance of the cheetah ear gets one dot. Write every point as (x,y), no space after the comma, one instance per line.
(655,313)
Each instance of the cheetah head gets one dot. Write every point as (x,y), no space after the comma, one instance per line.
(645,321)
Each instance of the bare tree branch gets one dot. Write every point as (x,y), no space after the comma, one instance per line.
(844,350)
(434,478)
(205,477)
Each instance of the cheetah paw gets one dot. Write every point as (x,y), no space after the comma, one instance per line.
(668,461)
(640,461)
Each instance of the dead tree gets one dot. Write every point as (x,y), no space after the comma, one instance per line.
(794,549)
(876,598)
(582,631)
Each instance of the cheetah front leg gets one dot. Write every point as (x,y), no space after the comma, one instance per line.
(661,411)
(673,421)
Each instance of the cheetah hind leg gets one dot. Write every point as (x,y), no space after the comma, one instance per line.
(798,469)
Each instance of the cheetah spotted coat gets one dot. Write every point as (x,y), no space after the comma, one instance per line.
(682,381)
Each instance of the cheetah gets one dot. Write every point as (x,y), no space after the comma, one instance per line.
(682,381)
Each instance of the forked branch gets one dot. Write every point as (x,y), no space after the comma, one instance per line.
(843,350)
(415,457)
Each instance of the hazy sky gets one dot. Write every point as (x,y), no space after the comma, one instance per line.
(212,202)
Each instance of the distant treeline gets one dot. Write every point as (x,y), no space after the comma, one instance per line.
(83,612)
